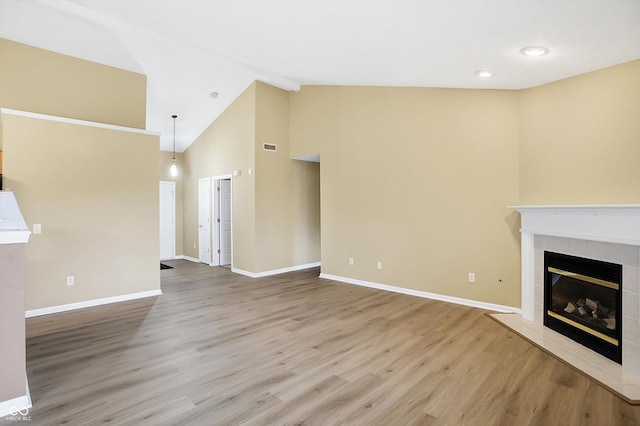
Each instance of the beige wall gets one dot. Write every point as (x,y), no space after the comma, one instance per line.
(95,192)
(165,163)
(45,82)
(287,191)
(276,206)
(315,118)
(226,145)
(417,179)
(580,139)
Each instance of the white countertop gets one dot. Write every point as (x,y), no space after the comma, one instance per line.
(13,228)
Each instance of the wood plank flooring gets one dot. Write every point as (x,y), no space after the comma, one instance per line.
(222,349)
(620,380)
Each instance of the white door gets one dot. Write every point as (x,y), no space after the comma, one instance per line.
(167,220)
(225,222)
(204,220)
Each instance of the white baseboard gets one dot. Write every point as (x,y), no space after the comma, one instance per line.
(190,259)
(90,303)
(20,404)
(424,294)
(275,271)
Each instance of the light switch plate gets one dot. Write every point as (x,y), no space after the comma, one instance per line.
(37,228)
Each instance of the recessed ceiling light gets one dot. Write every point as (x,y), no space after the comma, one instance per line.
(534,51)
(484,73)
(213,94)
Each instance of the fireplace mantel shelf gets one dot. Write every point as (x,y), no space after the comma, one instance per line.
(612,223)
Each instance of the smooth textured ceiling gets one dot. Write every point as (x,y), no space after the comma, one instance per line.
(189,48)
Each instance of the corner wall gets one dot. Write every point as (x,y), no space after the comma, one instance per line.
(287,191)
(226,145)
(580,139)
(276,213)
(418,179)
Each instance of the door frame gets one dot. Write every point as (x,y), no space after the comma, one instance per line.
(210,221)
(215,251)
(173,215)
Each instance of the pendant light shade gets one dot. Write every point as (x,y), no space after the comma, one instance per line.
(174,169)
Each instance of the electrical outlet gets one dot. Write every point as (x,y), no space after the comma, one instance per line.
(351,261)
(37,228)
(472,277)
(71,280)
(379,265)
(194,245)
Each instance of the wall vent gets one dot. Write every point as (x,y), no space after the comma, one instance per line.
(269,147)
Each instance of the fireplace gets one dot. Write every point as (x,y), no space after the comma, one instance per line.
(609,233)
(582,300)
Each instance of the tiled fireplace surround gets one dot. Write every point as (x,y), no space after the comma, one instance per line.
(609,233)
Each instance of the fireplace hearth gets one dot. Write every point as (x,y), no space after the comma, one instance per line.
(582,300)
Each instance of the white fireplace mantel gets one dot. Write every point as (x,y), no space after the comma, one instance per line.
(610,223)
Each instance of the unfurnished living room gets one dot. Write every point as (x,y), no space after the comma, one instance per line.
(322,212)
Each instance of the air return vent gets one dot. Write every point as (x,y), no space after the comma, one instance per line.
(269,147)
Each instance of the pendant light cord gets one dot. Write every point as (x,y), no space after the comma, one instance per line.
(174,136)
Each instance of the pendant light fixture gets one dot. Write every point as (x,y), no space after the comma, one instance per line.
(173,169)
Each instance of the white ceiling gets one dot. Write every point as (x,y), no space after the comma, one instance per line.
(189,48)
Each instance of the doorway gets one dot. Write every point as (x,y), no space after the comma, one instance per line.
(223,222)
(204,220)
(167,220)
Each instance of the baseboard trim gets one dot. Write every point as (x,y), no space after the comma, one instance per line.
(20,403)
(275,271)
(190,259)
(424,294)
(91,303)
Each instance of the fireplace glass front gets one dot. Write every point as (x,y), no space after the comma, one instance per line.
(583,302)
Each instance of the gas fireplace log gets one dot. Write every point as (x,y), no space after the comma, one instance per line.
(571,308)
(611,323)
(593,311)
(603,311)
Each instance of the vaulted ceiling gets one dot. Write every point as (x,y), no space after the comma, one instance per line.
(191,48)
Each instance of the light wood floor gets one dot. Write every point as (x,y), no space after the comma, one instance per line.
(222,349)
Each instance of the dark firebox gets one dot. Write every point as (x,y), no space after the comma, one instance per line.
(583,302)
